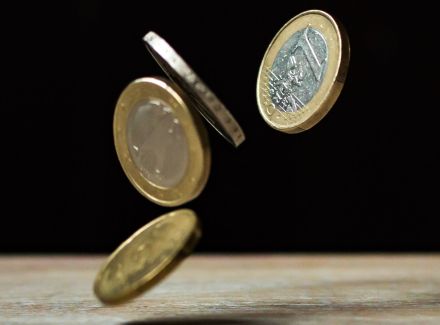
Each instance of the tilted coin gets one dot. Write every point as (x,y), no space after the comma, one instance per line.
(203,99)
(302,72)
(162,146)
(147,256)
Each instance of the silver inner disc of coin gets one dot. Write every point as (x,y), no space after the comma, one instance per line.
(157,143)
(298,70)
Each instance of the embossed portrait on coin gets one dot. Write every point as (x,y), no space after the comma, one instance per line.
(298,70)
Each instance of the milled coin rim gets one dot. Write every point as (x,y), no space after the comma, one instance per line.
(334,78)
(203,99)
(161,271)
(199,155)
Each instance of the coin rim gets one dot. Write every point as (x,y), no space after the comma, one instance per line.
(202,97)
(153,277)
(318,106)
(199,157)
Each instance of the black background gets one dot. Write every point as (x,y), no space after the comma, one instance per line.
(364,179)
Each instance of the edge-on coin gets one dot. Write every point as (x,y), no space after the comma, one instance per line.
(166,171)
(302,72)
(147,256)
(204,100)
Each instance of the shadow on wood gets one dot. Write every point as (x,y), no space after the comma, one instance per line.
(203,321)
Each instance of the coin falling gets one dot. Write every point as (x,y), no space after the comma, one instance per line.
(201,97)
(147,256)
(302,72)
(161,144)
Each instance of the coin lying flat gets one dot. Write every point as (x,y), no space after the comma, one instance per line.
(302,72)
(162,146)
(203,99)
(147,256)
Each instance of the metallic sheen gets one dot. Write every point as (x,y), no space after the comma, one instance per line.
(147,256)
(157,143)
(202,98)
(302,72)
(298,70)
(164,174)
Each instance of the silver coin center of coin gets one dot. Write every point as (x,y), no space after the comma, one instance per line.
(298,70)
(157,143)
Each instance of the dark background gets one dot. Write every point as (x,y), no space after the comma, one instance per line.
(364,179)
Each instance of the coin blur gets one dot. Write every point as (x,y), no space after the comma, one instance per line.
(202,98)
(162,146)
(302,72)
(147,256)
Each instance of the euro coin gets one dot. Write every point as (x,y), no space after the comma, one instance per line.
(147,256)
(302,72)
(202,98)
(161,144)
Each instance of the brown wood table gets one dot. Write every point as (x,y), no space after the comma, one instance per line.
(237,289)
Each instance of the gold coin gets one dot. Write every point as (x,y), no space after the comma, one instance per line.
(161,144)
(147,256)
(303,72)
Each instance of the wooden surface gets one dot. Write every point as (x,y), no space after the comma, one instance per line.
(237,290)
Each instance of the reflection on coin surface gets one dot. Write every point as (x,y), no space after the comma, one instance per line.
(202,98)
(157,142)
(162,146)
(302,72)
(147,256)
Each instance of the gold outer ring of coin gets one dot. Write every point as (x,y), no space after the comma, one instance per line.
(331,86)
(202,98)
(199,158)
(147,256)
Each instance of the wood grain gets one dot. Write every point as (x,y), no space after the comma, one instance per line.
(238,289)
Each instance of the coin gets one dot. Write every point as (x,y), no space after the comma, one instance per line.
(303,72)
(147,256)
(162,146)
(203,99)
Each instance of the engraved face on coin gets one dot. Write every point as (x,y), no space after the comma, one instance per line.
(202,98)
(147,256)
(302,72)
(161,144)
